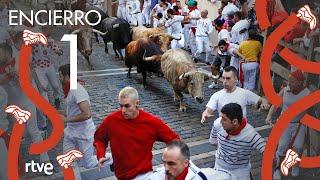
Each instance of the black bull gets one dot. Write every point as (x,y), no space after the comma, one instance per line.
(136,51)
(118,32)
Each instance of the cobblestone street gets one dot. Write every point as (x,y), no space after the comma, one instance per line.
(109,77)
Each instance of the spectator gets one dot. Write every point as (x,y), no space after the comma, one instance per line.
(174,23)
(229,8)
(158,20)
(249,51)
(204,29)
(294,135)
(239,31)
(221,60)
(146,10)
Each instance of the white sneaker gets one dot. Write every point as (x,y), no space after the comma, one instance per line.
(213,85)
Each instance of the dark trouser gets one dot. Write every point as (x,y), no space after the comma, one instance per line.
(220,60)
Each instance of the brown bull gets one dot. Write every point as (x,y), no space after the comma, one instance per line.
(179,69)
(164,39)
(135,53)
(84,41)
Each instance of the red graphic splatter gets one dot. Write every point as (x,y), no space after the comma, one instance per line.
(42,104)
(296,108)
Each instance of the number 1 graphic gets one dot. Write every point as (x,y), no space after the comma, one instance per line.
(72,38)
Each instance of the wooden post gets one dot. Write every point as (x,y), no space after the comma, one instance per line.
(259,87)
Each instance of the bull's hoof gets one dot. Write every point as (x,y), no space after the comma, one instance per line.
(183,109)
(150,76)
(129,76)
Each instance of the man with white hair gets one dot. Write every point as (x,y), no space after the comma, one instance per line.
(204,29)
(131,127)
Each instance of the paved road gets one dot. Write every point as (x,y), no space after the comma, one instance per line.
(109,77)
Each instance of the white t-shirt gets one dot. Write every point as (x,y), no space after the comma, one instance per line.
(231,48)
(84,129)
(204,27)
(241,96)
(194,14)
(157,9)
(224,34)
(236,36)
(175,24)
(228,9)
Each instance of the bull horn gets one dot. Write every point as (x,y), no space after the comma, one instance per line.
(210,76)
(186,75)
(152,58)
(147,58)
(75,31)
(115,26)
(181,76)
(99,32)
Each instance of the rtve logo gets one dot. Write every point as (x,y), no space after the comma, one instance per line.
(39,167)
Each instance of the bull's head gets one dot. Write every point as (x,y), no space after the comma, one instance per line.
(163,40)
(123,32)
(84,39)
(195,80)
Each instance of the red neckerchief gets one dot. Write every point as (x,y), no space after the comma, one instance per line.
(193,29)
(183,175)
(5,66)
(66,87)
(192,8)
(238,130)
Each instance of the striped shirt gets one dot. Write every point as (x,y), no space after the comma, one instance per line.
(235,152)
